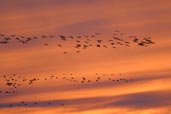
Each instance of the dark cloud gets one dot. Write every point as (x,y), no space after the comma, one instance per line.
(18,5)
(142,100)
(85,26)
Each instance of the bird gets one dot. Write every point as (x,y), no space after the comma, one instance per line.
(63,37)
(65,52)
(59,45)
(77,51)
(98,45)
(45,44)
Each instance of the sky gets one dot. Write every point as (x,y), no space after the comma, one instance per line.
(149,67)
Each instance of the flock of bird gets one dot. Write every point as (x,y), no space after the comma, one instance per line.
(82,42)
(14,81)
(27,104)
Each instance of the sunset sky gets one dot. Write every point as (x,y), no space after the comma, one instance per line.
(148,67)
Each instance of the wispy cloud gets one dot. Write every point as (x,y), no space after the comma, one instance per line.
(142,100)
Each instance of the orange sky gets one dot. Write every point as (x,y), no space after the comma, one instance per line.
(149,66)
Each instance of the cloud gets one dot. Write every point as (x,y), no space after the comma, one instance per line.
(140,101)
(85,26)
